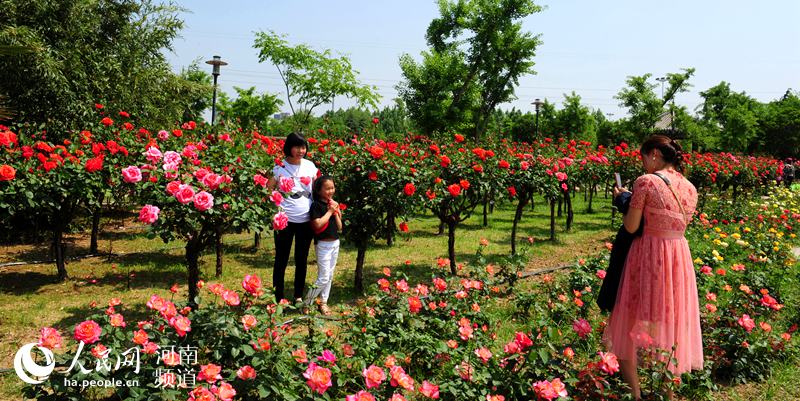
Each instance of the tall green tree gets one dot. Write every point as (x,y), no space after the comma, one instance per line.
(644,105)
(250,109)
(781,124)
(574,120)
(312,78)
(732,117)
(478,52)
(89,51)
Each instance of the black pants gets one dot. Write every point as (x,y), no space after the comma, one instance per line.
(283,245)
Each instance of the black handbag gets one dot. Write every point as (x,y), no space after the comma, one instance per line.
(607,296)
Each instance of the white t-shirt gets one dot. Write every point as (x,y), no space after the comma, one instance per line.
(303,175)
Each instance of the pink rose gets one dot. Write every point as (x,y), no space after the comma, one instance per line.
(319,378)
(231,297)
(608,362)
(170,170)
(286,184)
(184,194)
(88,332)
(173,187)
(246,373)
(190,151)
(260,180)
(212,180)
(327,356)
(360,396)
(280,221)
(49,338)
(225,391)
(209,373)
(252,284)
(163,135)
(276,198)
(747,323)
(201,173)
(149,214)
(582,327)
(203,201)
(181,324)
(429,390)
(171,157)
(153,154)
(373,376)
(131,174)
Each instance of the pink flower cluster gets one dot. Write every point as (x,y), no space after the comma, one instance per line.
(550,390)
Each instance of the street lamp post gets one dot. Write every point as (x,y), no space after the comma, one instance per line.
(216,62)
(537,104)
(662,80)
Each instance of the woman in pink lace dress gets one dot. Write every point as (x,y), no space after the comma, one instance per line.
(657,306)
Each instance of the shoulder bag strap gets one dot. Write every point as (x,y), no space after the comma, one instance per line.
(675,194)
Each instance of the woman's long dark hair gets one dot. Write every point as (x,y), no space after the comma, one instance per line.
(318,183)
(670,150)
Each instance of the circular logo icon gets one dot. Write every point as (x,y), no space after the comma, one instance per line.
(24,364)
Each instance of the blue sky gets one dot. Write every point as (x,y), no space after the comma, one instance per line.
(589,47)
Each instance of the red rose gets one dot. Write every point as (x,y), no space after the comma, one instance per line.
(94,164)
(375,120)
(464,184)
(454,189)
(459,138)
(106,121)
(409,189)
(404,227)
(124,114)
(373,176)
(7,173)
(503,164)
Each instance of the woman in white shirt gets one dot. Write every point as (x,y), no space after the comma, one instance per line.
(296,205)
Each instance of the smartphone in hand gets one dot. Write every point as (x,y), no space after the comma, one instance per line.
(618,179)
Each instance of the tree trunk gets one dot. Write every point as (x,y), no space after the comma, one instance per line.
(441,228)
(95,230)
(552,220)
(58,253)
(560,204)
(390,228)
(359,279)
(451,243)
(523,200)
(485,213)
(570,214)
(256,241)
(218,248)
(591,197)
(192,255)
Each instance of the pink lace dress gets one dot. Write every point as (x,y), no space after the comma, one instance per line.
(657,306)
